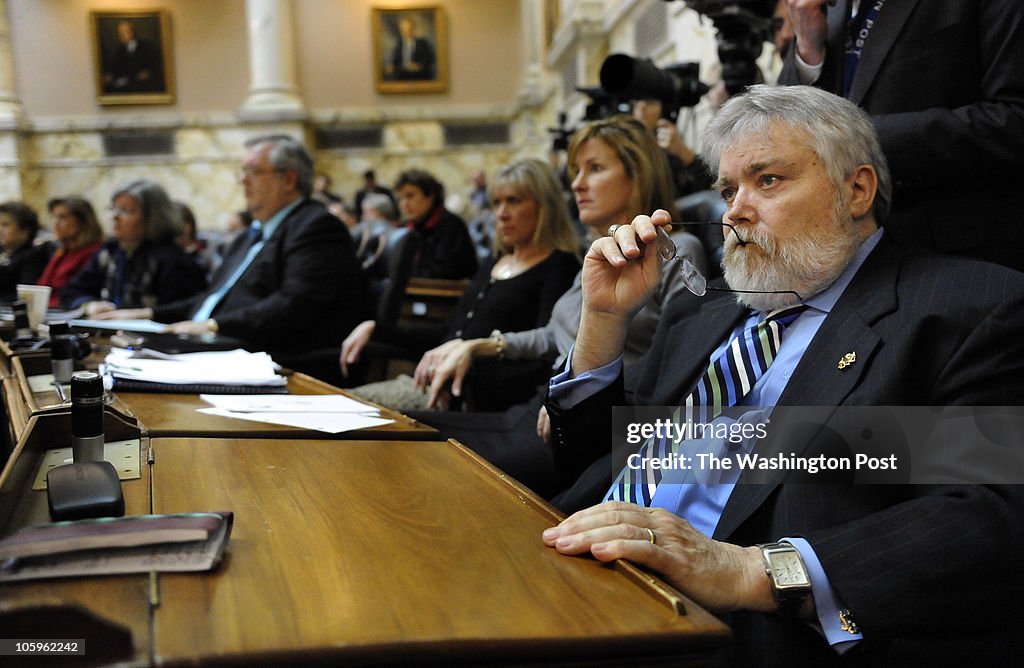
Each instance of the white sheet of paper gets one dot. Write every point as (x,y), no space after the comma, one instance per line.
(332,423)
(289,403)
(126,325)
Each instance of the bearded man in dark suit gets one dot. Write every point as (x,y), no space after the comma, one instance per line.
(809,571)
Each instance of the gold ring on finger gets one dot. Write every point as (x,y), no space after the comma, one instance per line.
(651,536)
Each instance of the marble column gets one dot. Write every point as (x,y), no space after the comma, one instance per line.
(273,93)
(11,114)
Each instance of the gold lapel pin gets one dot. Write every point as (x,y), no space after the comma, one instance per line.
(848,359)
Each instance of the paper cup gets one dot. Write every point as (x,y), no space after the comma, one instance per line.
(37,298)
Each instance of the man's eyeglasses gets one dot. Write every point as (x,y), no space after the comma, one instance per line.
(116,211)
(255,171)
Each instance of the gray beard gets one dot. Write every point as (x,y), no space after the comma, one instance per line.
(804,265)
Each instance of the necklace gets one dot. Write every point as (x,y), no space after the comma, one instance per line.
(518,265)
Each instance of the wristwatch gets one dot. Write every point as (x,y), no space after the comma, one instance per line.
(786,571)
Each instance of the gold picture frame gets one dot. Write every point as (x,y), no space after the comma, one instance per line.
(410,49)
(132,57)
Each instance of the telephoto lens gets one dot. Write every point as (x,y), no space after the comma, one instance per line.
(87,417)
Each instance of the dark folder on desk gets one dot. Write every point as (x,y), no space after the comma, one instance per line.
(132,385)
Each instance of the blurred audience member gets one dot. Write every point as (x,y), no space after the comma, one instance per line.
(479,200)
(21,261)
(370,185)
(346,213)
(322,190)
(688,172)
(379,220)
(437,244)
(141,266)
(79,236)
(194,246)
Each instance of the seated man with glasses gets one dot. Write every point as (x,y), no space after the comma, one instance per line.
(292,283)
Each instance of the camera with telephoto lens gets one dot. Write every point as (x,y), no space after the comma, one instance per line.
(676,86)
(741,29)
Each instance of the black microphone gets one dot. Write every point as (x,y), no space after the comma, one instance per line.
(21,325)
(62,351)
(87,417)
(88,487)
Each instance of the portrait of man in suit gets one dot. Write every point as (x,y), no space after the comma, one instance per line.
(133,57)
(412,58)
(410,50)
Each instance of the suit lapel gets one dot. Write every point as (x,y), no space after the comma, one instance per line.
(892,18)
(817,380)
(692,342)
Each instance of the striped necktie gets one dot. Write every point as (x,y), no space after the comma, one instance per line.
(729,378)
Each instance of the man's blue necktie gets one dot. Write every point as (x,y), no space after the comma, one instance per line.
(256,241)
(729,378)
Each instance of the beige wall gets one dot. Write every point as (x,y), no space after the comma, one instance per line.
(50,40)
(53,58)
(59,147)
(335,49)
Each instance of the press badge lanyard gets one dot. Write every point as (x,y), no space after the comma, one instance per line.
(855,43)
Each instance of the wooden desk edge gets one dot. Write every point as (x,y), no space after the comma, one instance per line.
(655,587)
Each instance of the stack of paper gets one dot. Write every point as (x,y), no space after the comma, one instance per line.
(233,371)
(332,413)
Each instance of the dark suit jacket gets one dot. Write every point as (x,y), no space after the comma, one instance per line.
(303,290)
(942,81)
(926,570)
(422,55)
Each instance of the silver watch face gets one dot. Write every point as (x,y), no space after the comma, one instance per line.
(787,569)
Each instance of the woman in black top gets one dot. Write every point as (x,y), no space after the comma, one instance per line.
(535,260)
(141,266)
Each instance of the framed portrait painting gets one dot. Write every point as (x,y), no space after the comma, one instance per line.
(132,57)
(410,46)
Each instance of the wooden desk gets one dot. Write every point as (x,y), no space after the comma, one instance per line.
(382,552)
(177,415)
(111,613)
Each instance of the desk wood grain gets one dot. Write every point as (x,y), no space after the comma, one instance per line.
(363,551)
